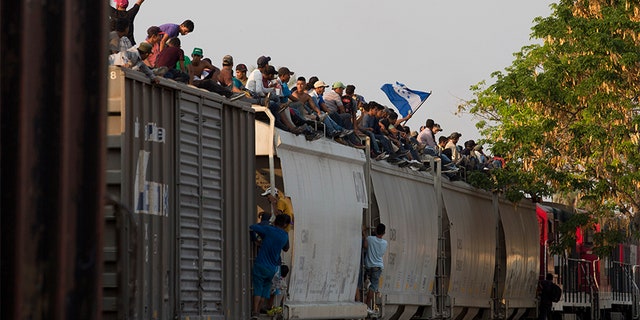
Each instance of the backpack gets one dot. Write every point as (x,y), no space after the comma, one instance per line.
(556,292)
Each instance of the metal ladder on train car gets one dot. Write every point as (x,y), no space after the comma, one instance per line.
(594,289)
(635,297)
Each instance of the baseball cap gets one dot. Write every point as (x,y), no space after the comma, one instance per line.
(284,70)
(437,126)
(144,47)
(263,61)
(197,51)
(272,70)
(241,67)
(122,3)
(319,84)
(227,60)
(338,84)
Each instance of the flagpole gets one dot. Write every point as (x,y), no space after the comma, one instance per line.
(418,107)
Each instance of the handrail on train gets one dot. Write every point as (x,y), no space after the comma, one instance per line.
(272,175)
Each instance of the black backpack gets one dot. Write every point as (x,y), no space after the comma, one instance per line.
(556,292)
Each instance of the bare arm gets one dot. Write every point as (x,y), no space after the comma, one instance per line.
(313,104)
(163,41)
(139,2)
(191,75)
(399,121)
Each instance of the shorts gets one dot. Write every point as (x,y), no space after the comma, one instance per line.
(276,283)
(373,274)
(262,277)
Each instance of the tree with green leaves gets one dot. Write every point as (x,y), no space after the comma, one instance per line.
(565,114)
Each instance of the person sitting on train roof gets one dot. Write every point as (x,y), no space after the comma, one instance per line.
(196,68)
(311,84)
(225,78)
(366,125)
(351,106)
(396,130)
(427,138)
(132,59)
(284,75)
(369,126)
(443,153)
(483,160)
(274,240)
(334,107)
(120,11)
(399,155)
(254,80)
(454,137)
(167,60)
(118,40)
(304,107)
(316,96)
(351,91)
(240,79)
(154,35)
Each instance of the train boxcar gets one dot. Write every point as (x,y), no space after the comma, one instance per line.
(454,251)
(177,174)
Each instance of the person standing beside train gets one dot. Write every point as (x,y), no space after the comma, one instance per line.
(373,264)
(274,240)
(545,294)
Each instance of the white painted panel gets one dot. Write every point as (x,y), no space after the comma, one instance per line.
(408,208)
(325,181)
(522,246)
(473,240)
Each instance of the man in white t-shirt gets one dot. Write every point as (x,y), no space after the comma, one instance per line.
(373,264)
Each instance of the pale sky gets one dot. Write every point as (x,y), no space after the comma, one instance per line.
(438,46)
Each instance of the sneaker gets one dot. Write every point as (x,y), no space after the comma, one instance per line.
(274,311)
(381,156)
(340,141)
(403,163)
(236,96)
(357,145)
(415,163)
(313,136)
(345,132)
(297,130)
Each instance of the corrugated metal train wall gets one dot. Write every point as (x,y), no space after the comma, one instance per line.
(179,167)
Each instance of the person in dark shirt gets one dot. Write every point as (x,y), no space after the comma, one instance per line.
(274,240)
(120,11)
(168,59)
(545,294)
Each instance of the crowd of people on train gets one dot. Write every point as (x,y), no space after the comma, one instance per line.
(312,108)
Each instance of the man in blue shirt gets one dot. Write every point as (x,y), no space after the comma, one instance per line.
(274,240)
(373,264)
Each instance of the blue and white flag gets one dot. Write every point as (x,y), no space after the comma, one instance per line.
(405,99)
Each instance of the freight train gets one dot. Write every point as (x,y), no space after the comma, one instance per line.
(185,171)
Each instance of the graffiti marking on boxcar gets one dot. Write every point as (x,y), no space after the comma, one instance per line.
(150,197)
